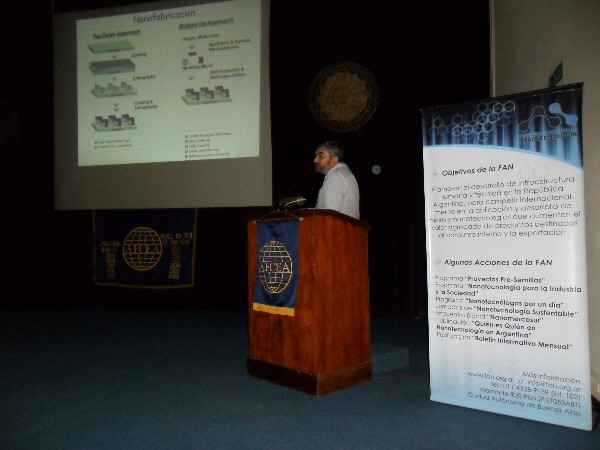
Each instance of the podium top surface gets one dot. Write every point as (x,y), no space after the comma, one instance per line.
(307,213)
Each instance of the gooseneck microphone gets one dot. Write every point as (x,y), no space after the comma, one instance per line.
(284,202)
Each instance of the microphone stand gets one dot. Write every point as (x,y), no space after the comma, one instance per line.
(311,169)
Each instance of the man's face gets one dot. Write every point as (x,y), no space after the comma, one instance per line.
(324,162)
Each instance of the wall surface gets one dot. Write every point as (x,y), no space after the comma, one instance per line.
(530,38)
(412,49)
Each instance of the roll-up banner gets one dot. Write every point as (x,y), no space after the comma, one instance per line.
(506,256)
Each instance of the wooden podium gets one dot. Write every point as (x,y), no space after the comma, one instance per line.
(325,345)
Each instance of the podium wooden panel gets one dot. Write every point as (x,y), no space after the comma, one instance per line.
(325,346)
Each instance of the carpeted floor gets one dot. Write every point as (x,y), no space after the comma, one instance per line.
(93,378)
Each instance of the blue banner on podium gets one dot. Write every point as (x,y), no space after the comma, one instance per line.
(276,279)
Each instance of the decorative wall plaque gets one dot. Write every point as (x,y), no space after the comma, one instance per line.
(343,96)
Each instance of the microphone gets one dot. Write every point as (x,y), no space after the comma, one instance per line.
(284,202)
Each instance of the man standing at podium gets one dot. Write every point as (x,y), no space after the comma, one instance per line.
(340,189)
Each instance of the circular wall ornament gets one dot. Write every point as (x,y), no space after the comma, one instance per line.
(343,96)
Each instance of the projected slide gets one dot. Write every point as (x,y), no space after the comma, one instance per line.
(170,85)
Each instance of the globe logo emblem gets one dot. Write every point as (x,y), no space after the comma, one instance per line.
(142,249)
(275,267)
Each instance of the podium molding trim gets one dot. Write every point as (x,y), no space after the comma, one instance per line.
(310,383)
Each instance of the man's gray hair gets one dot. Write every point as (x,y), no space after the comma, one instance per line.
(334,148)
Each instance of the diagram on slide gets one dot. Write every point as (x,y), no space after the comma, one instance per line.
(206,95)
(114,123)
(112,66)
(113,90)
(110,47)
(164,78)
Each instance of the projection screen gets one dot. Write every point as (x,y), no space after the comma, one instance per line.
(162,105)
